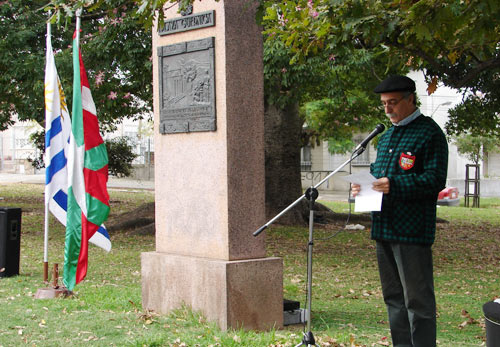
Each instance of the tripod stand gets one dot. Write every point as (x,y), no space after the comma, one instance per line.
(311,194)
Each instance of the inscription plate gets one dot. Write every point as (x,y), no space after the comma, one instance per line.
(190,22)
(187,87)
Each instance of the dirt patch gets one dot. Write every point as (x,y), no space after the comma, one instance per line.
(139,221)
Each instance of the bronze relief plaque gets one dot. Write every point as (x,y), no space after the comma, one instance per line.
(187,87)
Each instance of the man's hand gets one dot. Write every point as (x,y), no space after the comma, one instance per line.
(382,185)
(355,188)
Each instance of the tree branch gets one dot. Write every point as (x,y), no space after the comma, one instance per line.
(451,76)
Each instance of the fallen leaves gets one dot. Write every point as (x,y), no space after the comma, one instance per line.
(179,343)
(384,341)
(469,320)
(148,317)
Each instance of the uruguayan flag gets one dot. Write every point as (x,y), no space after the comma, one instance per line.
(57,134)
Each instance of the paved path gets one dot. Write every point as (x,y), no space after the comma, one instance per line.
(113,182)
(127,183)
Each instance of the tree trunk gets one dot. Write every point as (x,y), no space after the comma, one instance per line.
(282,159)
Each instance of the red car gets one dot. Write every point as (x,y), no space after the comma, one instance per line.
(448,197)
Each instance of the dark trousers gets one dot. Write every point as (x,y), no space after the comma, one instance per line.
(408,289)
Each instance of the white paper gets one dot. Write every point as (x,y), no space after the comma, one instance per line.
(367,198)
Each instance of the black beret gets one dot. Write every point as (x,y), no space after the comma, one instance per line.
(395,83)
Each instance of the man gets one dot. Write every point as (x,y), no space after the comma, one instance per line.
(411,169)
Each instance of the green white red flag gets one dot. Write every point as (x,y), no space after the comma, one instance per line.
(88,199)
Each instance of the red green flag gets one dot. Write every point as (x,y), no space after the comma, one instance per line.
(88,199)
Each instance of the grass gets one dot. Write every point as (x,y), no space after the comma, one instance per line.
(347,307)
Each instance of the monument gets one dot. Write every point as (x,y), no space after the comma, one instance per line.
(209,170)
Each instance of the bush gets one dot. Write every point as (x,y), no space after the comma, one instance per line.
(120,156)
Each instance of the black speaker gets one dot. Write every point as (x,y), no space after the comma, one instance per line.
(10,241)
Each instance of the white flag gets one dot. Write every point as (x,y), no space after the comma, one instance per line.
(57,133)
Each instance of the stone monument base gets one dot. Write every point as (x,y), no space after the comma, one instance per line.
(244,294)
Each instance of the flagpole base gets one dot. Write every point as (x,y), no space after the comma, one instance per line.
(52,293)
(46,272)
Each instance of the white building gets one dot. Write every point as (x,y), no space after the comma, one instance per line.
(16,147)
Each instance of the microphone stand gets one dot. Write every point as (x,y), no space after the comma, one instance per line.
(311,194)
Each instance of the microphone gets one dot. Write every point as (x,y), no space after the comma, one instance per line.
(378,129)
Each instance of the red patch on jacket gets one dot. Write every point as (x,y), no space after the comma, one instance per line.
(406,161)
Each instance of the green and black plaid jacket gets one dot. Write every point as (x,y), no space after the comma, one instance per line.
(415,159)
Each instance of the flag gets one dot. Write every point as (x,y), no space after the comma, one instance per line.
(88,199)
(57,134)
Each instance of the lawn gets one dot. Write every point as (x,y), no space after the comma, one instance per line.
(347,305)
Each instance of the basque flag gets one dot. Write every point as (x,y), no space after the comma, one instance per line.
(88,199)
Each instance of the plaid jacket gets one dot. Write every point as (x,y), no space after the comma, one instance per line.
(415,159)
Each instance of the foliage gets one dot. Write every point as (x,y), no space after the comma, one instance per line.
(460,48)
(475,147)
(477,114)
(347,306)
(337,119)
(21,61)
(120,156)
(145,10)
(38,140)
(115,48)
(462,44)
(334,104)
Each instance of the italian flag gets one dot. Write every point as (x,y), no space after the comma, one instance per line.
(88,199)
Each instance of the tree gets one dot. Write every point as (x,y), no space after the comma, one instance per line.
(478,113)
(475,147)
(454,42)
(115,48)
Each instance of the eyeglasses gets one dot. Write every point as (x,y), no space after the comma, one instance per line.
(392,102)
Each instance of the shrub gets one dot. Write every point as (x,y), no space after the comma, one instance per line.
(120,154)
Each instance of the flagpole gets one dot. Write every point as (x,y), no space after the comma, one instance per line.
(46,246)
(78,14)
(46,229)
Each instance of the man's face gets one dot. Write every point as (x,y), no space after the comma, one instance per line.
(397,106)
